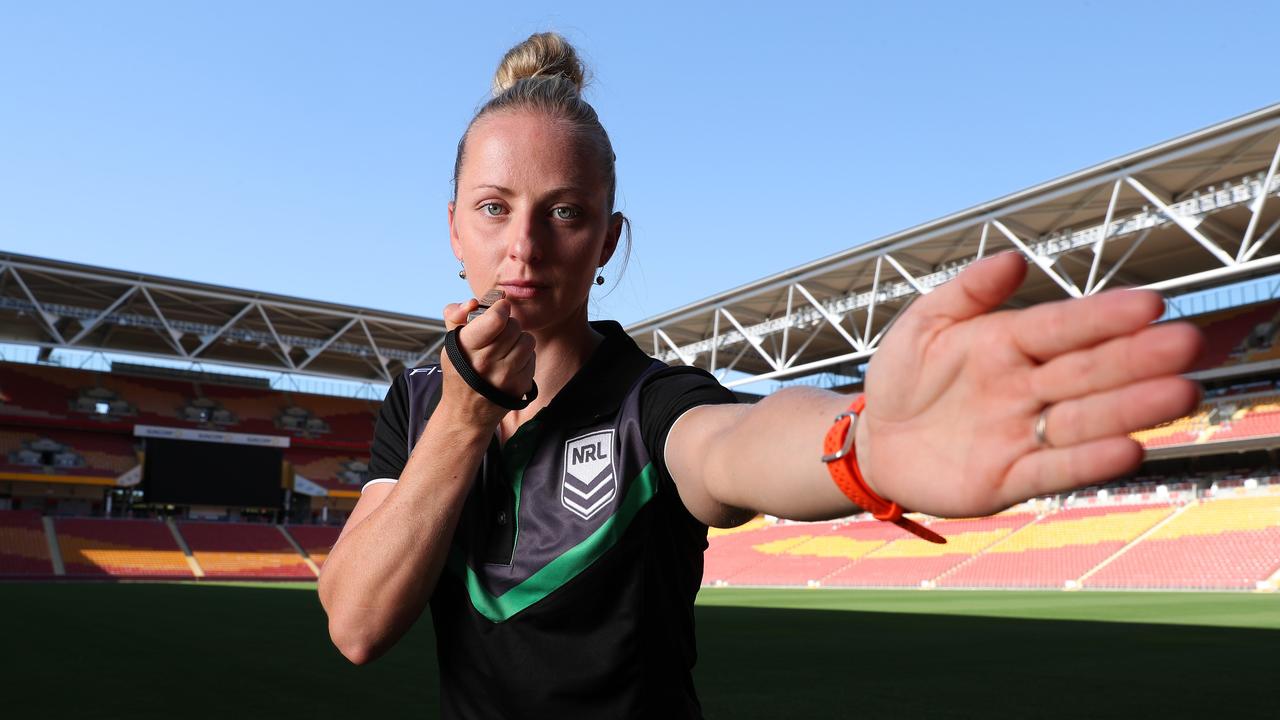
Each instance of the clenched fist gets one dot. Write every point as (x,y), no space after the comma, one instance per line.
(499,351)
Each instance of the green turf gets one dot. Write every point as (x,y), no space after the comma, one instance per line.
(249,650)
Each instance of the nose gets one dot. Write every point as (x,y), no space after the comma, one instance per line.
(524,243)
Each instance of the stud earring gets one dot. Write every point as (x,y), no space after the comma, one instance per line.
(600,276)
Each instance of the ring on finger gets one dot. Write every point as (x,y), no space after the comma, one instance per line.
(1040,430)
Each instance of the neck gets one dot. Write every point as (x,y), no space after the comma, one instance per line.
(561,349)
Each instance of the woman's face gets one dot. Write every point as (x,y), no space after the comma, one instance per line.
(531,217)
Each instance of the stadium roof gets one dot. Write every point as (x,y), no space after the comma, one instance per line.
(1188,213)
(55,304)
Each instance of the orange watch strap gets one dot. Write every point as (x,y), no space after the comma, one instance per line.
(842,463)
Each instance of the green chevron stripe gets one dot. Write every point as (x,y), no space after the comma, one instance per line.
(566,566)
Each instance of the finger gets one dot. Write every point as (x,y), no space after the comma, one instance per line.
(1051,329)
(1055,470)
(455,314)
(981,287)
(1152,352)
(1120,411)
(506,341)
(485,329)
(520,350)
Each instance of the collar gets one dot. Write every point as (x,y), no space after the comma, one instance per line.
(599,387)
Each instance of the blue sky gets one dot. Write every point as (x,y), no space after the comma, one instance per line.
(305,148)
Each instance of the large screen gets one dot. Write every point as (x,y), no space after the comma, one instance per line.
(186,472)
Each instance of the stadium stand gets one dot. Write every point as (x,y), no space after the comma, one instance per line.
(29,392)
(97,547)
(348,419)
(24,549)
(243,551)
(55,396)
(806,559)
(1229,417)
(1058,548)
(1231,543)
(731,553)
(66,452)
(911,561)
(1237,335)
(332,470)
(65,423)
(315,540)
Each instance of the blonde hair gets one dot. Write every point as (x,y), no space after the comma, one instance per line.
(542,55)
(544,74)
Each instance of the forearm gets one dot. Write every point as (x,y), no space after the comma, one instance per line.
(768,457)
(379,576)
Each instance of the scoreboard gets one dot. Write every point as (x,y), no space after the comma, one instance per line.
(199,472)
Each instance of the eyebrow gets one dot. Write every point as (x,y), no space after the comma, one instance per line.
(507,191)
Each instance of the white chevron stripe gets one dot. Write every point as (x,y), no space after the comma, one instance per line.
(587,495)
(587,512)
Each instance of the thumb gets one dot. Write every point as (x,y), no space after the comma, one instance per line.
(979,288)
(455,314)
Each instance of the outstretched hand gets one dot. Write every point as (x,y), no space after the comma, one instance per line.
(954,391)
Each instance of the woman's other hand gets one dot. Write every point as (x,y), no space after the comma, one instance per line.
(954,391)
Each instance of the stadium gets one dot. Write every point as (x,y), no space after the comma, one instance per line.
(115,384)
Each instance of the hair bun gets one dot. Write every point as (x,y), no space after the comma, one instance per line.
(545,54)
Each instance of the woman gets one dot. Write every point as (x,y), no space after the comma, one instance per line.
(560,544)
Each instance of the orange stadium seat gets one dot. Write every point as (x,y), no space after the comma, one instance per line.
(98,547)
(911,561)
(730,553)
(243,550)
(1056,549)
(1231,543)
(809,557)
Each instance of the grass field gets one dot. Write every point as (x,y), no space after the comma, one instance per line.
(152,650)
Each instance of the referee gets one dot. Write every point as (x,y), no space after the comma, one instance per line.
(553,514)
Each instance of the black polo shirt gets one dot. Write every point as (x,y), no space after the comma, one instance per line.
(572,574)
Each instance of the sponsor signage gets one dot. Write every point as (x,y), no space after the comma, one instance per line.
(213,436)
(303,486)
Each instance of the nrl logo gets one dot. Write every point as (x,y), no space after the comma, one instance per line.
(589,481)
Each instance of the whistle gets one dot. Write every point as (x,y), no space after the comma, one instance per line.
(486,302)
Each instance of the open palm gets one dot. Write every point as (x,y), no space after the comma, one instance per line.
(954,391)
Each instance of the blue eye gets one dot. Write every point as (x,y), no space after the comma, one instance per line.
(491,209)
(566,213)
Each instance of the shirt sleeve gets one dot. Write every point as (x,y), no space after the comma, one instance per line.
(390,450)
(669,394)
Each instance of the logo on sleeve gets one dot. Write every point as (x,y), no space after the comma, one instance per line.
(589,481)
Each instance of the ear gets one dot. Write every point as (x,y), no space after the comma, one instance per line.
(453,233)
(611,239)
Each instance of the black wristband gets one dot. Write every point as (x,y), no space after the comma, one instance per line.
(478,383)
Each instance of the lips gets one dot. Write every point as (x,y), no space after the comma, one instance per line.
(522,289)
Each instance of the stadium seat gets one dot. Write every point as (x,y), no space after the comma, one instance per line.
(243,551)
(1226,544)
(100,547)
(1056,549)
(24,549)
